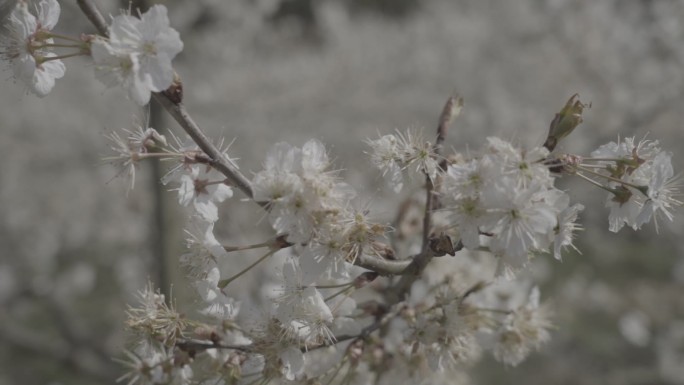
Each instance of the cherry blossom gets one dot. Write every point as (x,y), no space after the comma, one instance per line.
(25,46)
(138,53)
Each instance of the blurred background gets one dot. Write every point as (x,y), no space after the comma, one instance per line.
(75,248)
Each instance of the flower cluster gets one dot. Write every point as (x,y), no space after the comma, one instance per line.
(500,201)
(300,191)
(28,43)
(640,180)
(393,154)
(136,55)
(504,198)
(312,207)
(451,330)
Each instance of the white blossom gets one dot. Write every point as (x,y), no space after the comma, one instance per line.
(525,167)
(642,182)
(523,331)
(564,231)
(386,156)
(204,187)
(24,46)
(292,363)
(302,310)
(394,153)
(302,195)
(216,302)
(204,251)
(662,191)
(138,53)
(519,218)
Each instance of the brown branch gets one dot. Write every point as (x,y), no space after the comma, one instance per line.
(451,110)
(93,14)
(383,266)
(217,160)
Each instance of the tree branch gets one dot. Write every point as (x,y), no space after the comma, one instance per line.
(216,159)
(383,266)
(451,110)
(93,14)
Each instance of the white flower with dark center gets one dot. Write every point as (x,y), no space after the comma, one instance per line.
(524,166)
(519,218)
(204,187)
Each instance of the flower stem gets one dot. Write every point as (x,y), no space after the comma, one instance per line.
(610,178)
(336,372)
(79,46)
(225,282)
(491,310)
(64,37)
(44,59)
(147,155)
(595,183)
(246,247)
(338,293)
(333,286)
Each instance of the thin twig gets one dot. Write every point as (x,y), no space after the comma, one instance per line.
(217,160)
(450,111)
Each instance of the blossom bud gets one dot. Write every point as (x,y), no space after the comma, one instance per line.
(442,245)
(451,110)
(175,90)
(565,121)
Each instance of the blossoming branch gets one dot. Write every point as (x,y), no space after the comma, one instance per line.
(356,300)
